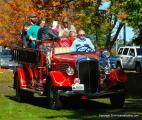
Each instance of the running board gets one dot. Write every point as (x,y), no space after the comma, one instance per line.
(11,86)
(33,90)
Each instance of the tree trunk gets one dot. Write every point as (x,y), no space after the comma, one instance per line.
(115,36)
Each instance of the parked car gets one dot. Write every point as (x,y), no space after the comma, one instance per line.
(130,58)
(6,59)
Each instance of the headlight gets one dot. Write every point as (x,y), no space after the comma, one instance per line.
(70,71)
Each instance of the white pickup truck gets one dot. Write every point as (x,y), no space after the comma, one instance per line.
(130,58)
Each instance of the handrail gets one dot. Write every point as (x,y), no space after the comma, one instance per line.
(25,55)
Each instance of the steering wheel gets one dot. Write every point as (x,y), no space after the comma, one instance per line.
(84,49)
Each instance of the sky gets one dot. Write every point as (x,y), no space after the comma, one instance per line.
(129,33)
(129,30)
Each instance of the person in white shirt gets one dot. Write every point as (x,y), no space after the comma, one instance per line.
(66,27)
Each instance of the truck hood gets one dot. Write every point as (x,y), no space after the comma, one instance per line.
(73,57)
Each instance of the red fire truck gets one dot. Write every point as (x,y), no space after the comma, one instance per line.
(54,71)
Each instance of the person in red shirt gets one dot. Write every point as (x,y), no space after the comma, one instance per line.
(72,36)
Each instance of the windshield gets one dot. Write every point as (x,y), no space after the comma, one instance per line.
(59,47)
(139,51)
(60,50)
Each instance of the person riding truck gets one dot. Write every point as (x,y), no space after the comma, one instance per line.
(82,44)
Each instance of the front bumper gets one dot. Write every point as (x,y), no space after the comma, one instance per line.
(91,95)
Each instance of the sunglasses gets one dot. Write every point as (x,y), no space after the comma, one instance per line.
(34,17)
(81,34)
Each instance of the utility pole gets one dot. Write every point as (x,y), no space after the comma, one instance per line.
(124,34)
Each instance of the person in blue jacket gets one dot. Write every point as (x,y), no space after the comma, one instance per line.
(82,44)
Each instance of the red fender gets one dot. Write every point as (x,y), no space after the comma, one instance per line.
(117,75)
(21,76)
(30,72)
(59,79)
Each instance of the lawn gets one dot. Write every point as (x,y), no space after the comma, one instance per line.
(37,108)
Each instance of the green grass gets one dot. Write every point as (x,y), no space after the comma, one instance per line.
(37,109)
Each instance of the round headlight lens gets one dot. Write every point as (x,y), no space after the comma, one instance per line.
(70,71)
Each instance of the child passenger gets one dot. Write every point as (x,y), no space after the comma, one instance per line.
(24,36)
(72,36)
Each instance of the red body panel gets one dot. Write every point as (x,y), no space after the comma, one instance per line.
(72,58)
(21,76)
(59,79)
(31,75)
(42,59)
(117,75)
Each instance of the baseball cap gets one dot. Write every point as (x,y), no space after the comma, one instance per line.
(33,15)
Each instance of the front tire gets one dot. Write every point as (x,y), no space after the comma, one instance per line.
(53,97)
(117,101)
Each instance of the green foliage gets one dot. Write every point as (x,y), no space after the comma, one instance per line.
(134,7)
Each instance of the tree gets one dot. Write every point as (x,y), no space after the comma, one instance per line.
(13,13)
(135,19)
(85,14)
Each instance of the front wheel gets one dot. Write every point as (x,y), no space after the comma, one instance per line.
(117,101)
(53,97)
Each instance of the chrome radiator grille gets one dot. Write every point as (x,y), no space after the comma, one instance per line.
(88,74)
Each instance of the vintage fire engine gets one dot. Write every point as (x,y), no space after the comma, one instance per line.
(54,71)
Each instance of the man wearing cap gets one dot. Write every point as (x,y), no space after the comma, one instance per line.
(33,30)
(33,18)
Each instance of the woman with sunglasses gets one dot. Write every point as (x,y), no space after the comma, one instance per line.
(66,27)
(82,44)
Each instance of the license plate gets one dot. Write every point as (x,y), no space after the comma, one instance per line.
(77,87)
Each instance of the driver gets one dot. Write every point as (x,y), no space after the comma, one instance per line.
(82,44)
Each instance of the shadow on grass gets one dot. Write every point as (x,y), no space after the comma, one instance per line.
(72,104)
(134,85)
(90,109)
